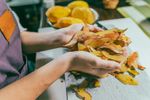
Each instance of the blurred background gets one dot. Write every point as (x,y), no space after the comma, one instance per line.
(30,11)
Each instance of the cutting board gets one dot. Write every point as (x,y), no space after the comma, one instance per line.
(111,88)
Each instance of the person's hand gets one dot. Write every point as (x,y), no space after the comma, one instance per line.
(69,32)
(85,62)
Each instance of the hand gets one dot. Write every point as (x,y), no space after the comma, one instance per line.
(69,32)
(88,63)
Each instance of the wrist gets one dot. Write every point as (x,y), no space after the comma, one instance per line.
(66,36)
(69,60)
(61,37)
(60,66)
(54,39)
(73,59)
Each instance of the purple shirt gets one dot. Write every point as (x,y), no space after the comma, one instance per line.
(13,64)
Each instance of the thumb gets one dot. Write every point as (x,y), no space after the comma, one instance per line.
(71,31)
(76,27)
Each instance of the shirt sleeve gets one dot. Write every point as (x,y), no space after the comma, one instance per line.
(19,25)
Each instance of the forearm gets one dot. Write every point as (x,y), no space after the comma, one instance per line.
(34,42)
(31,86)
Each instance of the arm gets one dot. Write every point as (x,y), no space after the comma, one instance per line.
(31,86)
(34,42)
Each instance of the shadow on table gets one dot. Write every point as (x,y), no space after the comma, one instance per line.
(44,96)
(42,60)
